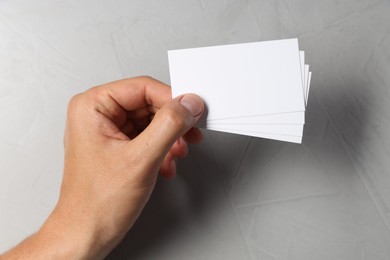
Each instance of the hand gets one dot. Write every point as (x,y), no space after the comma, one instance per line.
(118,137)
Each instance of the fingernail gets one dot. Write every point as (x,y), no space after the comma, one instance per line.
(193,104)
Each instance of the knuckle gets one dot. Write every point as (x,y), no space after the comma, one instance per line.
(145,78)
(80,101)
(95,94)
(74,102)
(74,107)
(98,98)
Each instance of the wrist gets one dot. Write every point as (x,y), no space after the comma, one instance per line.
(78,234)
(56,239)
(65,240)
(71,235)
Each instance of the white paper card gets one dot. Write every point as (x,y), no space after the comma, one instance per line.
(294,130)
(285,118)
(241,79)
(258,89)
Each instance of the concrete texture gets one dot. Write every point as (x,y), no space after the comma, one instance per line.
(235,197)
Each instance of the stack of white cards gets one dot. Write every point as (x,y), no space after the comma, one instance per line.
(258,89)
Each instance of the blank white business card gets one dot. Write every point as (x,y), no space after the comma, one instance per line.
(285,118)
(240,79)
(258,89)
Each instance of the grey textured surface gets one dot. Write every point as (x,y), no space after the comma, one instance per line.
(235,197)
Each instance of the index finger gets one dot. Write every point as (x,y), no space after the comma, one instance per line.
(138,92)
(115,100)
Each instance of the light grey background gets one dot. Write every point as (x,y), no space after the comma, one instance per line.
(235,197)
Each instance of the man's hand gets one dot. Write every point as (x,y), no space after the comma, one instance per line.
(118,137)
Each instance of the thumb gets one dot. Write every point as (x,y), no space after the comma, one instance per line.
(172,121)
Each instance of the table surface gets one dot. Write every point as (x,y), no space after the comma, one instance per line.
(235,197)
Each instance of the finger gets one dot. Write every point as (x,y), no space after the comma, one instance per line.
(116,98)
(169,124)
(138,92)
(179,148)
(194,136)
(139,113)
(168,167)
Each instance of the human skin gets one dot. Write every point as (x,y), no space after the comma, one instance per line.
(119,136)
